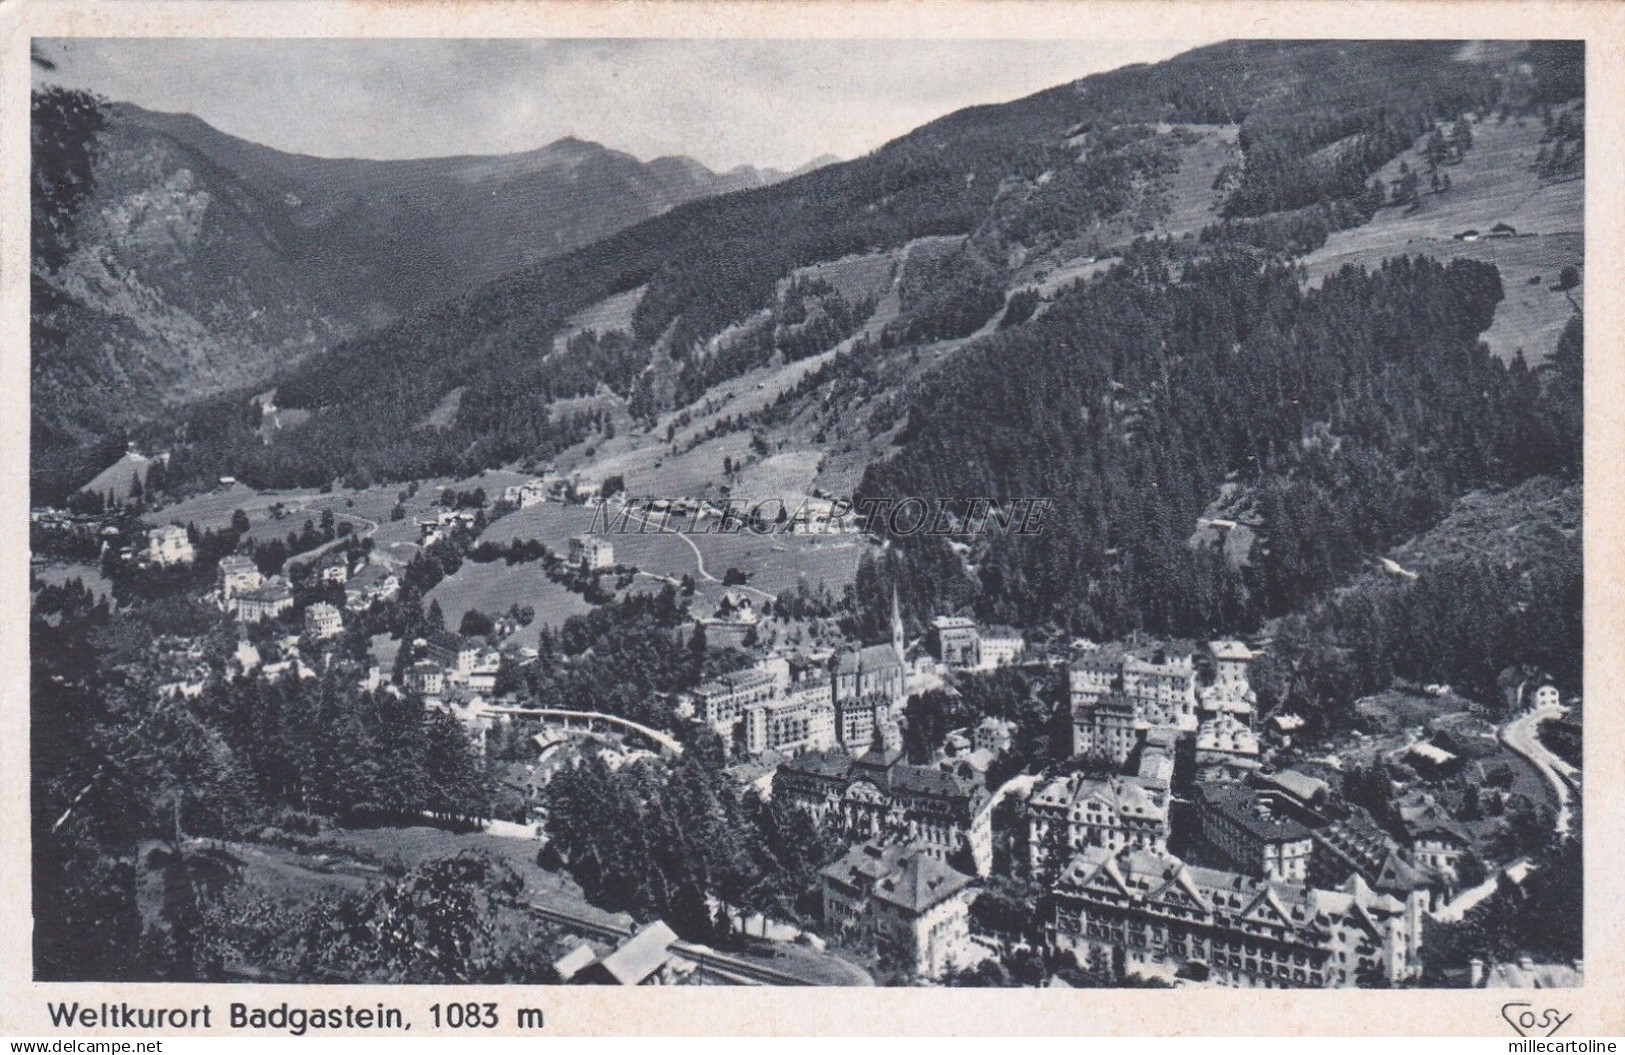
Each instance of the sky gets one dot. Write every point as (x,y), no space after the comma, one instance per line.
(724,102)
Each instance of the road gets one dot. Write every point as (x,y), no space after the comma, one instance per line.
(699,558)
(368,528)
(1522,736)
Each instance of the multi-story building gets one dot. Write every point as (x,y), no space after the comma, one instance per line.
(1108,727)
(323,620)
(907,904)
(1153,913)
(591,553)
(169,545)
(721,703)
(1434,841)
(993,735)
(1001,646)
(1256,829)
(267,601)
(453,652)
(426,678)
(803,719)
(861,722)
(954,641)
(1114,812)
(1226,747)
(483,674)
(237,575)
(1118,693)
(940,808)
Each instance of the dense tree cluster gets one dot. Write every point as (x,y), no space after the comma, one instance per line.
(1348,416)
(662,841)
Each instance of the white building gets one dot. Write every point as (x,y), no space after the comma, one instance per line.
(168,546)
(592,553)
(323,620)
(236,575)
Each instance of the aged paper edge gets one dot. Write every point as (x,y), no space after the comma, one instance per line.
(1597,1008)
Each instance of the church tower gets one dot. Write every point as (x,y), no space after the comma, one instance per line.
(897,643)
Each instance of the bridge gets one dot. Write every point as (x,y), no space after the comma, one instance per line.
(597,722)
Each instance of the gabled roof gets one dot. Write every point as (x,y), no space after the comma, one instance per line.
(640,955)
(920,883)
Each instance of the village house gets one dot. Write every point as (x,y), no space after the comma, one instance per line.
(323,620)
(373,584)
(940,808)
(333,567)
(1434,841)
(1155,914)
(267,601)
(169,546)
(1075,811)
(524,495)
(591,553)
(907,904)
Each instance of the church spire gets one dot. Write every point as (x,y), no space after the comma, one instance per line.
(896,625)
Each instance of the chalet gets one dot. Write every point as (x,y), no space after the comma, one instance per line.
(1503,230)
(1434,841)
(526,494)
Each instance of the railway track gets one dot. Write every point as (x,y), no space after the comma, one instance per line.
(728,968)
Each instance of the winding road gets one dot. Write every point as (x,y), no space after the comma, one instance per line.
(1522,736)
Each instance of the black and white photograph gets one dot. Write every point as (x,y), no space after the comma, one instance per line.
(659,511)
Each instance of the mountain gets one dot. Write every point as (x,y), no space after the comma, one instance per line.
(1121,294)
(203,261)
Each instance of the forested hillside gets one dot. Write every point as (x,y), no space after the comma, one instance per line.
(1351,416)
(1079,168)
(187,261)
